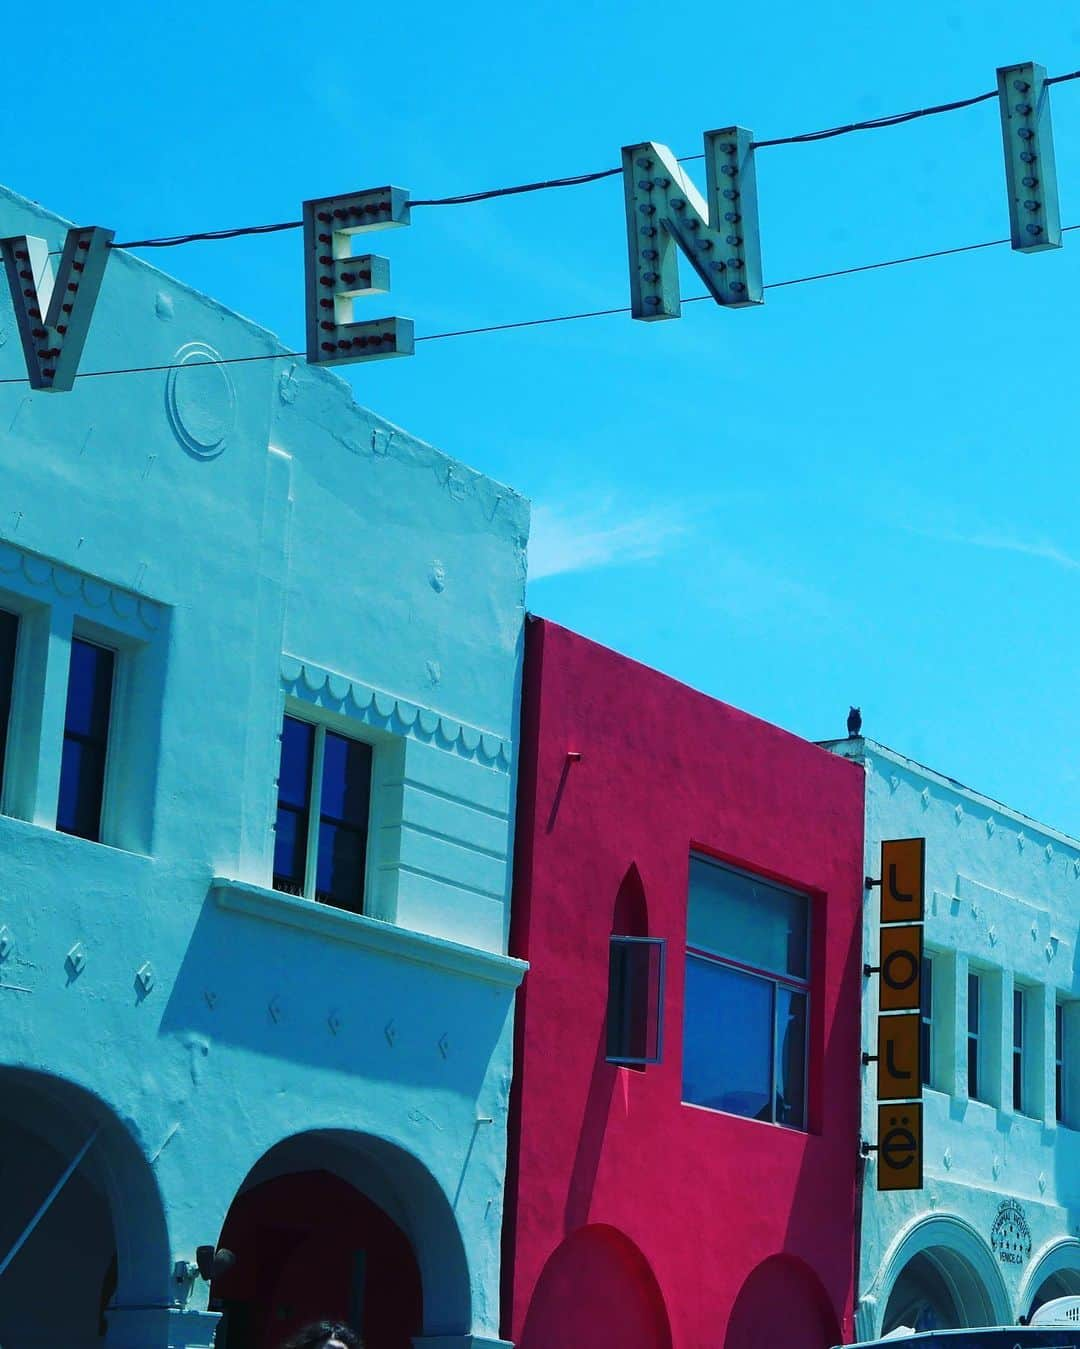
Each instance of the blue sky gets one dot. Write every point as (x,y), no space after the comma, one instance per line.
(863,491)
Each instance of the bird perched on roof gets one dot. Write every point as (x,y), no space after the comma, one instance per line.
(854,721)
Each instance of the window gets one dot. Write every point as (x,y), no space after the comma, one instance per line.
(9,631)
(324,794)
(1059,1062)
(635,1009)
(926,1019)
(86,737)
(1018,1051)
(747,992)
(974,985)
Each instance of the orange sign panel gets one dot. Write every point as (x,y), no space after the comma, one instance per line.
(903,880)
(899,1070)
(900,1147)
(900,969)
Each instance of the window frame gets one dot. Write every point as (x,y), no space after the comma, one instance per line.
(974,1037)
(617,940)
(1060,1078)
(321,729)
(117,683)
(792,982)
(1019,1050)
(926,1017)
(8,696)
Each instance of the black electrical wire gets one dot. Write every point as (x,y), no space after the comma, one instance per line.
(561,318)
(576,180)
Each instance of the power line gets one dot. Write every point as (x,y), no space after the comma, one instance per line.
(576,180)
(558,318)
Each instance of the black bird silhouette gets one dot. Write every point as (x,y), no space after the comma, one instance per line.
(854,721)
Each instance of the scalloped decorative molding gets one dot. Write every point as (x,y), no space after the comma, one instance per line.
(386,710)
(69,583)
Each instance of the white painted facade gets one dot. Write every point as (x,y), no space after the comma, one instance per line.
(1002,905)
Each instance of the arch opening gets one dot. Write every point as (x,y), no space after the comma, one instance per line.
(782,1301)
(938,1289)
(102,1239)
(335,1226)
(597,1289)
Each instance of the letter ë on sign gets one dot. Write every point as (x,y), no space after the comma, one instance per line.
(900,968)
(903,879)
(900,1147)
(899,1071)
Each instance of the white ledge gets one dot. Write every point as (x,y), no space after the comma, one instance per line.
(358,930)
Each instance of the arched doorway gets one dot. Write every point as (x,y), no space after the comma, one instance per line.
(100,1240)
(330,1225)
(938,1289)
(1054,1273)
(597,1289)
(782,1301)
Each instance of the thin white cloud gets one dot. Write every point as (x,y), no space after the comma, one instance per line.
(1005,542)
(563,541)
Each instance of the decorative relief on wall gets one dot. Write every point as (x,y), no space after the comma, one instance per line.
(39,571)
(385,710)
(1010,1236)
(200,400)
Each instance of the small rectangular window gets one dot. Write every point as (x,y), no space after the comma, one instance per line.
(926,1019)
(9,631)
(86,739)
(1059,1062)
(973,989)
(1018,1051)
(324,802)
(746,1012)
(635,1008)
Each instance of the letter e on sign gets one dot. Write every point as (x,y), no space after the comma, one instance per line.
(899,1071)
(903,880)
(900,1147)
(900,968)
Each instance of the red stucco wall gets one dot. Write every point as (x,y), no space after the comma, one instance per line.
(624,1205)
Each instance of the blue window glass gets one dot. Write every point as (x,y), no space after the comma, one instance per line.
(294,794)
(86,739)
(746,1003)
(343,822)
(320,845)
(9,631)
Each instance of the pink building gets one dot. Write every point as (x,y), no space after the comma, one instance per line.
(686,1112)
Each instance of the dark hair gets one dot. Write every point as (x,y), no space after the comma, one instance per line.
(315,1335)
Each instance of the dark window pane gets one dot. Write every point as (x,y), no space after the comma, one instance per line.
(294,774)
(1059,1113)
(340,878)
(82,779)
(748,919)
(290,850)
(791,1058)
(926,975)
(973,1067)
(1018,1082)
(89,690)
(924,1050)
(973,1004)
(346,784)
(634,1007)
(1059,1029)
(728,1040)
(9,628)
(1018,1018)
(86,733)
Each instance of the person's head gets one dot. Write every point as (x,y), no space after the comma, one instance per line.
(325,1335)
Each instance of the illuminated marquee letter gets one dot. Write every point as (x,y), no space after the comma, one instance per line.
(665,211)
(53,313)
(334,277)
(1030,171)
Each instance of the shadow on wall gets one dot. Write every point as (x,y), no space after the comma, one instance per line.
(782,1299)
(279,991)
(599,1283)
(630,918)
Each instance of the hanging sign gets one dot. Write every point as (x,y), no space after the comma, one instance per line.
(900,1146)
(900,968)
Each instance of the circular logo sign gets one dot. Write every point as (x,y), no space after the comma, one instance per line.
(1010,1235)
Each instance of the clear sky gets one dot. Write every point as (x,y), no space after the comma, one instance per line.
(865,490)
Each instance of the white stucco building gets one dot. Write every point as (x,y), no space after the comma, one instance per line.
(993,1232)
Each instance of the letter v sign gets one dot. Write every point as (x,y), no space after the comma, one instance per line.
(54,314)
